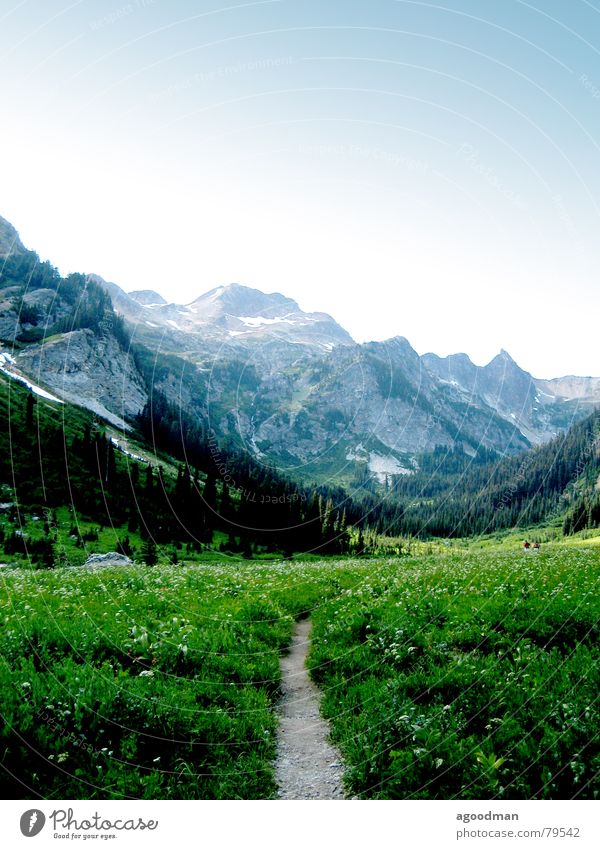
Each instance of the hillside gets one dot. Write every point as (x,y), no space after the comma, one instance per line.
(291,390)
(64,332)
(458,495)
(68,478)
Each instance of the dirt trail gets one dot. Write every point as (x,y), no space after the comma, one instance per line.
(308,766)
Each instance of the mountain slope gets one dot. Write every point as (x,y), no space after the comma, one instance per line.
(10,243)
(455,495)
(64,333)
(539,408)
(162,484)
(289,387)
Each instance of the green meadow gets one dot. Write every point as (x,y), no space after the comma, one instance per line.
(469,673)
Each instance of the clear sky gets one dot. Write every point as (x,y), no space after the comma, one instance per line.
(425,169)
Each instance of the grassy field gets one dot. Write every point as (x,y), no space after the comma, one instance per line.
(470,677)
(470,674)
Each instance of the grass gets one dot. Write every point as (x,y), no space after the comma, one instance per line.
(466,676)
(144,683)
(467,673)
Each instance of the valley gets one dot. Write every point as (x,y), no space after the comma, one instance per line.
(251,473)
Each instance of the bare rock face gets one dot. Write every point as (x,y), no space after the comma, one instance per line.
(371,408)
(89,371)
(112,558)
(10,242)
(9,323)
(539,408)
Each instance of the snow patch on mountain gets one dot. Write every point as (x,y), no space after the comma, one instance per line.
(380,466)
(127,453)
(7,366)
(258,320)
(359,453)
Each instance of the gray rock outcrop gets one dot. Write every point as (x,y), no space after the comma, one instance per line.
(112,558)
(88,371)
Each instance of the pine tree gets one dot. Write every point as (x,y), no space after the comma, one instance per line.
(111,465)
(29,412)
(226,506)
(209,493)
(149,552)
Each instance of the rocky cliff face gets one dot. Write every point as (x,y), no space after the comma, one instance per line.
(63,334)
(370,409)
(93,372)
(10,243)
(586,390)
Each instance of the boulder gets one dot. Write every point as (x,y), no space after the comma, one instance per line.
(111,558)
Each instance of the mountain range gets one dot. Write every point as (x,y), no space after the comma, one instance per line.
(290,387)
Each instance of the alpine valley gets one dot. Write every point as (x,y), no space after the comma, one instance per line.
(185,489)
(290,388)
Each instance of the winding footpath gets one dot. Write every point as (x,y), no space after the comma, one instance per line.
(307,766)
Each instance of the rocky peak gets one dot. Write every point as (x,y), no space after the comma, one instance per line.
(503,360)
(455,369)
(10,243)
(502,376)
(228,312)
(242,301)
(147,297)
(399,356)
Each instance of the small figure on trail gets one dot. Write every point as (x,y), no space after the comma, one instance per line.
(526,545)
(536,546)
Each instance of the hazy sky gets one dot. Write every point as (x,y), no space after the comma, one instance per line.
(421,169)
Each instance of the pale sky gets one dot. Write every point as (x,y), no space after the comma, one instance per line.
(429,170)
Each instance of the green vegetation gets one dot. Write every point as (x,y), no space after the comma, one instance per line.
(184,494)
(150,683)
(462,674)
(452,667)
(392,383)
(466,677)
(457,495)
(67,303)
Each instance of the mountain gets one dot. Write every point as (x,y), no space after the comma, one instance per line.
(230,312)
(289,387)
(64,335)
(455,495)
(540,408)
(147,297)
(156,486)
(370,410)
(585,390)
(10,243)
